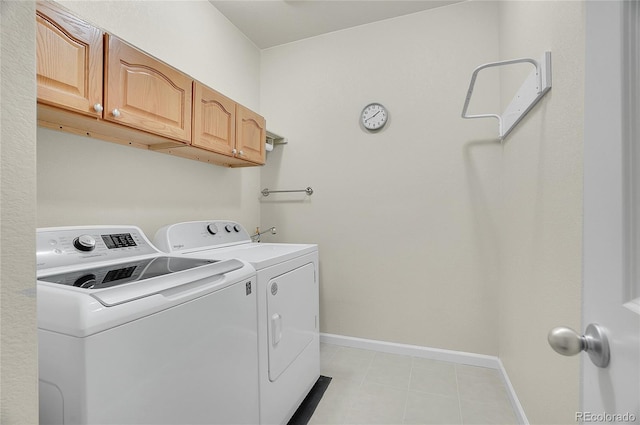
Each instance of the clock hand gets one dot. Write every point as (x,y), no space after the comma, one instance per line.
(372,116)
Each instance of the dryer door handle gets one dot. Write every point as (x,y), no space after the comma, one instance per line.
(276,329)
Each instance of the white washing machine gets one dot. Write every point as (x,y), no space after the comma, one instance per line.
(288,293)
(129,335)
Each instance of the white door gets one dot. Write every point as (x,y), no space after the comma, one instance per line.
(611,292)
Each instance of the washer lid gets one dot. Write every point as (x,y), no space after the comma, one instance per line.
(168,283)
(118,274)
(82,312)
(124,282)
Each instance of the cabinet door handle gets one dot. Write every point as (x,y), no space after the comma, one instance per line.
(98,108)
(115,113)
(234,151)
(240,153)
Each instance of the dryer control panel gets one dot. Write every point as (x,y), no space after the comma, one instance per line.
(194,235)
(67,246)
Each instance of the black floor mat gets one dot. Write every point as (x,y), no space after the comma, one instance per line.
(309,404)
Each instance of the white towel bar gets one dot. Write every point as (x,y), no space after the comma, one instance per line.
(266,192)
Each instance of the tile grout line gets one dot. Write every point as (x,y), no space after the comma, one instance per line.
(406,399)
(360,384)
(455,371)
(333,357)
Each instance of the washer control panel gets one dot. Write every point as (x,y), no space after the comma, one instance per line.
(193,235)
(68,246)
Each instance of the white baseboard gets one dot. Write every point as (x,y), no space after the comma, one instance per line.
(460,357)
(513,397)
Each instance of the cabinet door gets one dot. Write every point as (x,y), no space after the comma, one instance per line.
(214,120)
(69,61)
(144,93)
(251,135)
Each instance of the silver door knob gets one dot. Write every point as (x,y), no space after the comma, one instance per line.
(98,108)
(594,342)
(115,113)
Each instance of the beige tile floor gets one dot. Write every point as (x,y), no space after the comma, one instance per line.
(370,387)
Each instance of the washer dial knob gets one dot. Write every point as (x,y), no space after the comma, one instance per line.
(212,229)
(228,228)
(84,243)
(87,281)
(236,227)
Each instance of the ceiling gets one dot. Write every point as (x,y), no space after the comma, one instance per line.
(269,23)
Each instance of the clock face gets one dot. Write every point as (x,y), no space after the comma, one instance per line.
(374,116)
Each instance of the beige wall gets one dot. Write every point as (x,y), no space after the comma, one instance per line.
(541,210)
(430,232)
(85,181)
(18,340)
(404,218)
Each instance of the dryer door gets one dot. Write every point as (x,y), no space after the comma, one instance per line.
(291,315)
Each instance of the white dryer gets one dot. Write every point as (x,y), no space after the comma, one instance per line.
(129,335)
(287,305)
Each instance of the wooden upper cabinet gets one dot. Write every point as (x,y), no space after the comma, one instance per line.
(221,125)
(214,120)
(69,61)
(251,135)
(146,94)
(95,84)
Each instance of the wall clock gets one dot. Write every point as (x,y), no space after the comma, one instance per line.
(374,116)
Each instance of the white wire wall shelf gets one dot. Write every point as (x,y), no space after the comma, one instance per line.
(537,84)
